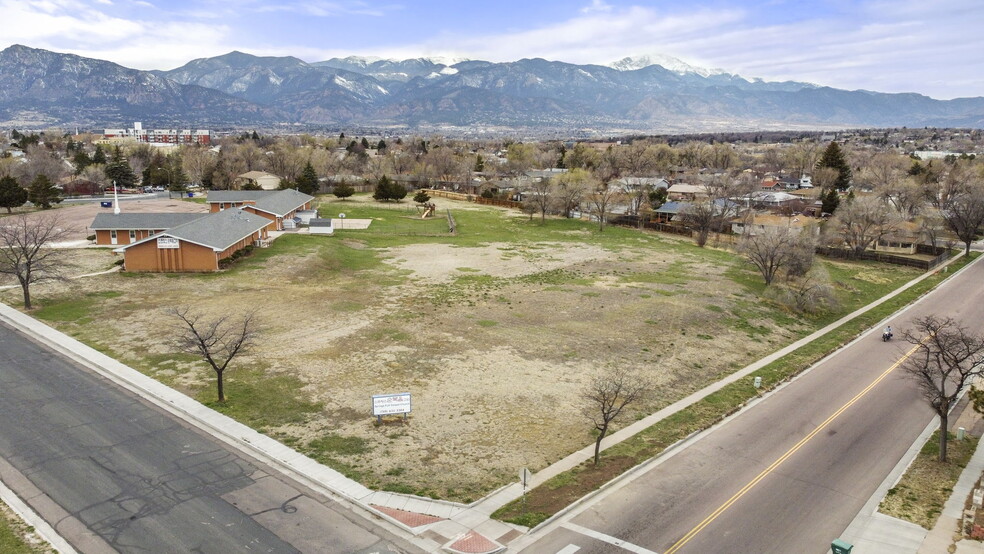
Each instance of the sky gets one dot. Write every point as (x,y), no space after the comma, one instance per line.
(931,47)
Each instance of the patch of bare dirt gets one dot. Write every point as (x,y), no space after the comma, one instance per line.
(496,364)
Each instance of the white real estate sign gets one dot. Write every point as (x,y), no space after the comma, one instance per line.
(389,404)
(167,242)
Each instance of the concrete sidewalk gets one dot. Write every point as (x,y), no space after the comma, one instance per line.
(875,533)
(432,525)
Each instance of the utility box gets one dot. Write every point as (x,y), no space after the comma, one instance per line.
(841,547)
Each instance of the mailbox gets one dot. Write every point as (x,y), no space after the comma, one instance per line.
(841,547)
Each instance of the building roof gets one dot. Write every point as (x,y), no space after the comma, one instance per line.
(685,188)
(276,202)
(257,175)
(282,202)
(217,231)
(771,220)
(236,195)
(142,221)
(671,207)
(316,222)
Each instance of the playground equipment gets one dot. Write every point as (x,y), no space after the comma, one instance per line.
(429,210)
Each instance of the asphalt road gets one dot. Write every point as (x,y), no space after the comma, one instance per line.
(787,475)
(112,473)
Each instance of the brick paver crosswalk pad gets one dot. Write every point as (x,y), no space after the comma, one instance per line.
(410,519)
(473,543)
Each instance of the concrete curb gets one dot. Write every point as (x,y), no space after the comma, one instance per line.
(31,517)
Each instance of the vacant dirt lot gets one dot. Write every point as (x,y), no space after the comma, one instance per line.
(496,342)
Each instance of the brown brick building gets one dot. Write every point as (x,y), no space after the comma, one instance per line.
(120,229)
(275,205)
(195,246)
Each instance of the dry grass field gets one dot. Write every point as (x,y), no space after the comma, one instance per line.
(495,331)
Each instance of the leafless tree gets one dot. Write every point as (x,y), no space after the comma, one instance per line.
(600,199)
(41,161)
(639,159)
(769,250)
(824,177)
(95,173)
(802,157)
(607,397)
(699,216)
(693,154)
(26,252)
(862,221)
(946,358)
(217,341)
(964,212)
(539,198)
(197,162)
(569,189)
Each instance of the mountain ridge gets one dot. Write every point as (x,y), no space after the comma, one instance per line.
(240,89)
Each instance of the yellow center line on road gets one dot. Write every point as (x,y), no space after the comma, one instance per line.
(714,515)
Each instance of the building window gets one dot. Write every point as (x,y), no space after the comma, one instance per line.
(112,234)
(133,235)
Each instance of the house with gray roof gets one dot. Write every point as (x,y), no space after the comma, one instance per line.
(275,205)
(200,245)
(127,228)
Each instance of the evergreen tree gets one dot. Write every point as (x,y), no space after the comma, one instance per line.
(833,158)
(830,201)
(307,182)
(343,190)
(421,197)
(365,143)
(563,154)
(255,135)
(381,145)
(479,164)
(99,157)
(81,161)
(119,170)
(42,192)
(381,192)
(386,189)
(12,195)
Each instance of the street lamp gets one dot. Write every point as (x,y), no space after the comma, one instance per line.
(169,181)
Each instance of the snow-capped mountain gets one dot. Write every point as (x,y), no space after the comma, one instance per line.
(675,65)
(535,94)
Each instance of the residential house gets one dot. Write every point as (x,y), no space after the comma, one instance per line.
(759,223)
(631,185)
(903,238)
(668,211)
(262,179)
(196,246)
(687,192)
(773,200)
(127,228)
(274,205)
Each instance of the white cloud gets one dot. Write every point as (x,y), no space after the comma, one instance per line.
(892,46)
(899,46)
(597,6)
(78,28)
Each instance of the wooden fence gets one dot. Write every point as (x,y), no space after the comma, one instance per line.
(499,202)
(450,195)
(452,226)
(845,254)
